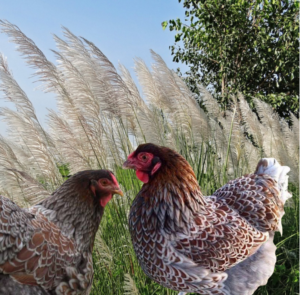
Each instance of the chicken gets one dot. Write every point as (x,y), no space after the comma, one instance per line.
(220,244)
(47,249)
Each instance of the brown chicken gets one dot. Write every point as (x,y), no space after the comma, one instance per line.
(220,244)
(47,249)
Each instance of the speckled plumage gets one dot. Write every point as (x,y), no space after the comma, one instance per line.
(191,243)
(47,249)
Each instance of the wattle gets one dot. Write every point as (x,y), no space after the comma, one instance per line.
(142,176)
(105,200)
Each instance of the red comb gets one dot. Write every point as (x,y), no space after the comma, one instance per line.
(114,180)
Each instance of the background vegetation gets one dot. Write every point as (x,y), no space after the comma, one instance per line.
(249,46)
(102,117)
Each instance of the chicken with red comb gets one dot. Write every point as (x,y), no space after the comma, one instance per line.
(219,244)
(47,249)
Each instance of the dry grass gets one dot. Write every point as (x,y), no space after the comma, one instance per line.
(102,117)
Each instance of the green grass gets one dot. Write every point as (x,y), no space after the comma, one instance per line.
(285,279)
(114,255)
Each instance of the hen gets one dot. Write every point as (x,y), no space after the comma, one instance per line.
(47,249)
(220,244)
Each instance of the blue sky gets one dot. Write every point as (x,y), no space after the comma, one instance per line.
(123,30)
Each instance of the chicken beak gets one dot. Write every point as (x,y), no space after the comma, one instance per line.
(118,192)
(128,164)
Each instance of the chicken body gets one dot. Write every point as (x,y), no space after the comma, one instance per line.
(47,249)
(9,286)
(191,243)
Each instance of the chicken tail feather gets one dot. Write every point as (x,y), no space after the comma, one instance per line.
(271,167)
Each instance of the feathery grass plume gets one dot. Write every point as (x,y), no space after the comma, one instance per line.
(48,74)
(167,94)
(217,140)
(18,185)
(236,139)
(151,93)
(136,100)
(117,142)
(34,57)
(13,92)
(278,141)
(33,190)
(28,134)
(104,253)
(161,130)
(8,180)
(290,148)
(129,286)
(79,72)
(68,143)
(250,121)
(114,91)
(252,156)
(270,128)
(295,127)
(199,122)
(145,126)
(24,122)
(82,113)
(101,85)
(181,106)
(211,104)
(137,104)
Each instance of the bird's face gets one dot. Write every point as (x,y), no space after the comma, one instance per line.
(145,163)
(104,188)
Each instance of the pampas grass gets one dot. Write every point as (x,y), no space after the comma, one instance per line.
(102,117)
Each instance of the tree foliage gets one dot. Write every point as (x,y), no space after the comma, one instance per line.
(249,46)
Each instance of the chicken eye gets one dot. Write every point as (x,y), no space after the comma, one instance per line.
(143,157)
(104,182)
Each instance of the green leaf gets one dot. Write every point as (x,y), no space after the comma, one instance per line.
(164,24)
(249,39)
